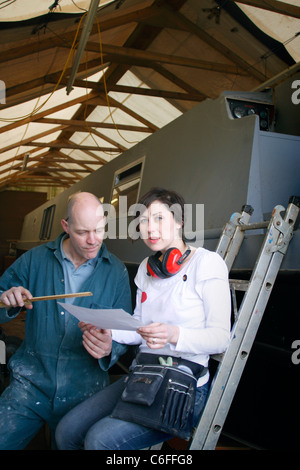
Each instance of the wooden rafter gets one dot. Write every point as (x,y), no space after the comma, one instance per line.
(145,58)
(30,140)
(59,144)
(275,6)
(184,23)
(80,124)
(49,111)
(139,91)
(140,26)
(66,39)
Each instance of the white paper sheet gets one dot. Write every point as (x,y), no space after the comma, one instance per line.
(114,319)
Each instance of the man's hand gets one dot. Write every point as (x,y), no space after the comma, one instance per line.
(15,296)
(97,342)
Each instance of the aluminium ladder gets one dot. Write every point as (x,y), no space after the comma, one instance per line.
(2,364)
(248,316)
(2,353)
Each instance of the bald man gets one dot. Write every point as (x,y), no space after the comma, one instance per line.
(54,369)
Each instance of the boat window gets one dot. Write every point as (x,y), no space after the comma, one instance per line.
(126,183)
(47,222)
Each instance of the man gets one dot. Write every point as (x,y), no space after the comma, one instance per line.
(53,370)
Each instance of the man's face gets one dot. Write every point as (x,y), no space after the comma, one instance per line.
(86,230)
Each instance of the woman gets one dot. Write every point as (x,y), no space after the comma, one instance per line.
(184,302)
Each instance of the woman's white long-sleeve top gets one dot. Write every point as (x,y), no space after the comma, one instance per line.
(196,299)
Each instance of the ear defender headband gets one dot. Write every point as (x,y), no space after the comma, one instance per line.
(169,265)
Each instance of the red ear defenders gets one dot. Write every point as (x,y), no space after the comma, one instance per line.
(169,265)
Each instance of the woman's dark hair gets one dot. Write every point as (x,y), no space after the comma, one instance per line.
(168,197)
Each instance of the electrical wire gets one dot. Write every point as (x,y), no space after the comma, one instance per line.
(9,2)
(79,8)
(105,87)
(36,109)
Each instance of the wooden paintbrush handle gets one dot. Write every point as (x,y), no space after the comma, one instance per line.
(52,297)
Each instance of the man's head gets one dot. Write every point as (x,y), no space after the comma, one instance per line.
(85,225)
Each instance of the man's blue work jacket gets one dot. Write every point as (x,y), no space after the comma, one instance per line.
(52,358)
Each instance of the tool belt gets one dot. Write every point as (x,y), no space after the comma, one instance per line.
(160,394)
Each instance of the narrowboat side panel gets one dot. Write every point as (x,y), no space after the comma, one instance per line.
(196,154)
(212,159)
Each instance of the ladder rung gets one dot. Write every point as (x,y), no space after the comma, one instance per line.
(217,357)
(253,226)
(239,284)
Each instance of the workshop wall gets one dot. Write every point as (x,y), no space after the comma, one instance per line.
(14,205)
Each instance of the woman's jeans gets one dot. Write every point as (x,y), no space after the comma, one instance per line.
(89,425)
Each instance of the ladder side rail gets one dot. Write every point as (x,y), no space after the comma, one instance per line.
(224,404)
(227,233)
(273,241)
(234,248)
(224,369)
(237,240)
(232,236)
(2,365)
(234,303)
(222,375)
(2,353)
(220,382)
(226,237)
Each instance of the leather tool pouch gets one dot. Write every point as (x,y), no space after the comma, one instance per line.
(161,397)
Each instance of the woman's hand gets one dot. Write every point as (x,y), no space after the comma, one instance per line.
(157,335)
(97,342)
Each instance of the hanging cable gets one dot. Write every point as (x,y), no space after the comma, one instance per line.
(36,109)
(8,2)
(105,87)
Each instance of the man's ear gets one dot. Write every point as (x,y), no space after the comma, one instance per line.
(65,225)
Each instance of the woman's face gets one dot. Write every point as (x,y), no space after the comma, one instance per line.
(159,229)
